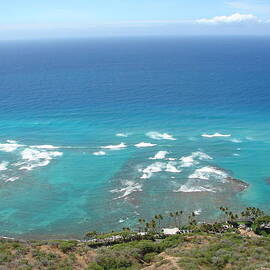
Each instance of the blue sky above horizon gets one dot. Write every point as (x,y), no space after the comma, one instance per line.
(81,18)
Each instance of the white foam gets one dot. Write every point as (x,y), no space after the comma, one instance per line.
(122,135)
(115,147)
(186,189)
(12,179)
(11,141)
(3,166)
(37,158)
(160,136)
(170,167)
(99,153)
(10,146)
(236,140)
(187,161)
(206,172)
(160,155)
(153,168)
(129,188)
(198,212)
(200,155)
(144,144)
(45,147)
(215,135)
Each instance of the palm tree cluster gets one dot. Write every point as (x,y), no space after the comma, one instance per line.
(176,218)
(252,213)
(231,217)
(191,219)
(156,223)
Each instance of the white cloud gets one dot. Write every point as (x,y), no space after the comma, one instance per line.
(262,7)
(234,18)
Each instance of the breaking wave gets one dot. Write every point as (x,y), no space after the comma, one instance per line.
(99,153)
(129,187)
(122,135)
(160,155)
(159,167)
(215,135)
(3,166)
(9,146)
(115,147)
(170,167)
(189,161)
(236,140)
(153,168)
(207,172)
(201,156)
(144,144)
(12,179)
(36,158)
(189,189)
(160,136)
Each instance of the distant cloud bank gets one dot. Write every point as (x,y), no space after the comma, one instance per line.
(234,18)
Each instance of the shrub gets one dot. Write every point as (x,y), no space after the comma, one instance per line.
(149,257)
(67,246)
(94,266)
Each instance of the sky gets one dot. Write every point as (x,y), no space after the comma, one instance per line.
(23,19)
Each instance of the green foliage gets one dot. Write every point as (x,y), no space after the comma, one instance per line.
(261,225)
(66,246)
(91,235)
(227,251)
(149,257)
(110,259)
(207,246)
(252,213)
(94,266)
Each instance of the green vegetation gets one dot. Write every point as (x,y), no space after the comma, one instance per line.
(239,241)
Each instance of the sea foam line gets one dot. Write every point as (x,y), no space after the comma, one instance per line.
(115,147)
(144,144)
(186,189)
(215,135)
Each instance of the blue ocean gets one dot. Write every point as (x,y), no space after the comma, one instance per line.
(97,133)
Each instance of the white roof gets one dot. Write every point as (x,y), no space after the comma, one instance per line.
(172,231)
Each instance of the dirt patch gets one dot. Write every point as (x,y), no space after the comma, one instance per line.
(166,263)
(248,233)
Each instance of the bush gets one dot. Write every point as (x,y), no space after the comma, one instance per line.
(149,257)
(94,266)
(67,246)
(261,225)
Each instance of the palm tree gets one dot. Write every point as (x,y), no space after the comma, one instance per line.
(142,222)
(171,215)
(159,218)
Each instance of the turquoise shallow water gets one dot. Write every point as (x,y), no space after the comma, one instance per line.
(62,101)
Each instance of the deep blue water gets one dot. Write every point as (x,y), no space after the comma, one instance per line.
(61,101)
